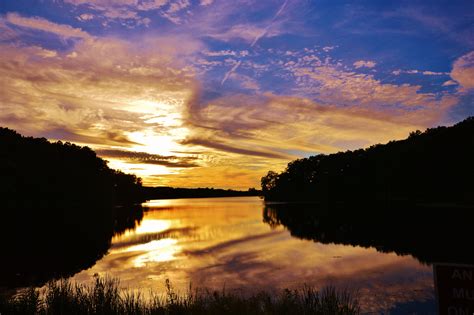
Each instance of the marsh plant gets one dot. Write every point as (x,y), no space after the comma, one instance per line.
(104,296)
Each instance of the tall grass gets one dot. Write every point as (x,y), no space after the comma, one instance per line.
(105,297)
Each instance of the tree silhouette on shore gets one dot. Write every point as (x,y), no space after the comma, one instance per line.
(434,166)
(60,206)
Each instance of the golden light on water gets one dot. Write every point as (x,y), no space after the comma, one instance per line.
(155,252)
(153,226)
(223,242)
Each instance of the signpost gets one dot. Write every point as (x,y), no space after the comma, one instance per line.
(454,286)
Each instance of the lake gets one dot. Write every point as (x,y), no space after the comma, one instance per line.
(227,243)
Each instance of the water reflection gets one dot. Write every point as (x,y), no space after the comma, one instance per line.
(223,242)
(441,234)
(42,244)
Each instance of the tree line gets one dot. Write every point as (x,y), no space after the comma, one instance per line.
(60,206)
(434,166)
(34,170)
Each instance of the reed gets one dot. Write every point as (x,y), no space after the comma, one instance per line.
(104,296)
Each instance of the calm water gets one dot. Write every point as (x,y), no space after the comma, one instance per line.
(224,242)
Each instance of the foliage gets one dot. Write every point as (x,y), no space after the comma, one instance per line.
(51,174)
(428,167)
(59,208)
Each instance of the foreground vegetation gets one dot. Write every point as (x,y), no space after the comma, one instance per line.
(434,166)
(105,297)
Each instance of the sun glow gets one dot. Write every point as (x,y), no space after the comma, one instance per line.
(140,169)
(163,128)
(152,143)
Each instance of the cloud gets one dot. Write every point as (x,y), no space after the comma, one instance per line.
(463,71)
(228,73)
(218,145)
(147,158)
(228,52)
(131,10)
(294,124)
(414,71)
(434,73)
(85,17)
(449,83)
(327,83)
(152,5)
(270,25)
(178,5)
(141,100)
(95,137)
(44,25)
(251,32)
(101,91)
(206,2)
(364,63)
(328,48)
(247,32)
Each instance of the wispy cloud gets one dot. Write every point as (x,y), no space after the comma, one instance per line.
(214,144)
(42,24)
(132,10)
(257,34)
(233,69)
(267,28)
(249,85)
(147,158)
(101,91)
(420,72)
(364,63)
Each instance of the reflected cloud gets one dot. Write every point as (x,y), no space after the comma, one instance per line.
(223,242)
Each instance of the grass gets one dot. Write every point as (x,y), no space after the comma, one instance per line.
(105,297)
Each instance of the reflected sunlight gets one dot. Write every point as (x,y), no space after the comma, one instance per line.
(145,227)
(153,226)
(224,241)
(155,251)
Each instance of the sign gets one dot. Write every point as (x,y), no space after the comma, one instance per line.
(454,286)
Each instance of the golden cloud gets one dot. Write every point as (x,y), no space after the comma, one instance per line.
(142,96)
(463,71)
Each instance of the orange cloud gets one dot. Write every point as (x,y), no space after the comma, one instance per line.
(463,71)
(364,63)
(41,24)
(104,92)
(138,102)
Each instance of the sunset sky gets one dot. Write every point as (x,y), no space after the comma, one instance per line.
(196,93)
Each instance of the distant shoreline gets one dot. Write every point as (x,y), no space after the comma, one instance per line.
(157,193)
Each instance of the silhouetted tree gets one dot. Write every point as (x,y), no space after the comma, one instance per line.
(58,208)
(431,166)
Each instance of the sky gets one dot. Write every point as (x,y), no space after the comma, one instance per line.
(215,93)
